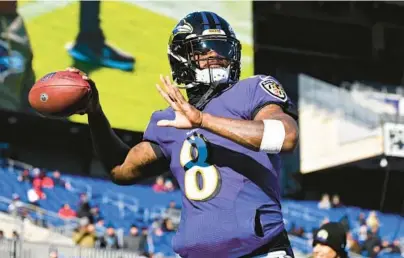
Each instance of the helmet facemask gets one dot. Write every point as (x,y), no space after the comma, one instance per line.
(205,65)
(193,63)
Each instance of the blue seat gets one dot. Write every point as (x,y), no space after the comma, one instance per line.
(142,204)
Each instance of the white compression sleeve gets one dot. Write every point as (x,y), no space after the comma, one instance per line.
(273,136)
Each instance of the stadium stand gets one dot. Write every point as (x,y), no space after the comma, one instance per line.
(122,207)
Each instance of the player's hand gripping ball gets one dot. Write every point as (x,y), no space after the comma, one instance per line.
(63,93)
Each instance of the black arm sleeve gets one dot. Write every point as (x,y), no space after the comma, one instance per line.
(111,150)
(162,164)
(157,150)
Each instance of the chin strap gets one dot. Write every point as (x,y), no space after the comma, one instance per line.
(205,98)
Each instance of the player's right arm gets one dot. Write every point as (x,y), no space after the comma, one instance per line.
(126,165)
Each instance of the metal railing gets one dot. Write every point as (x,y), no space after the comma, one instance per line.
(25,249)
(124,203)
(43,217)
(17,164)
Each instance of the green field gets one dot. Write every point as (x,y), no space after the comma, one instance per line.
(128,98)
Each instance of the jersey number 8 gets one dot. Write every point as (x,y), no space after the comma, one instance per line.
(193,158)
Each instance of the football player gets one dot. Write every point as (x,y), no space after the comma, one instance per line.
(222,145)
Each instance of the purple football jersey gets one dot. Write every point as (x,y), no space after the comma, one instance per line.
(231,195)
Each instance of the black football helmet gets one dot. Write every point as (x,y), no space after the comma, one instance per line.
(196,35)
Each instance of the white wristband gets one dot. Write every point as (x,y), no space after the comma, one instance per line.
(273,136)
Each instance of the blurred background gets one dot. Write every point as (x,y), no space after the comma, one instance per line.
(342,63)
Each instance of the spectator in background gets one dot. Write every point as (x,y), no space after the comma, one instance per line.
(373,221)
(134,240)
(390,248)
(110,239)
(363,234)
(37,180)
(47,182)
(395,247)
(352,244)
(372,245)
(15,206)
(34,195)
(100,230)
(60,182)
(174,213)
(37,187)
(155,224)
(345,222)
(66,212)
(296,231)
(173,206)
(324,203)
(385,246)
(95,212)
(361,219)
(41,180)
(336,202)
(85,235)
(159,185)
(374,231)
(169,186)
(145,235)
(330,241)
(168,225)
(25,177)
(100,227)
(159,243)
(2,235)
(15,236)
(84,210)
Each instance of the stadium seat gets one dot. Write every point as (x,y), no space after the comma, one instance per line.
(123,206)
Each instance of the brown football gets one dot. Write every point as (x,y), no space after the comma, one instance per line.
(60,94)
